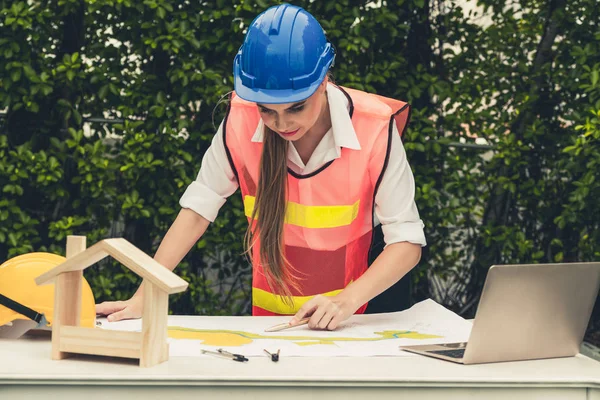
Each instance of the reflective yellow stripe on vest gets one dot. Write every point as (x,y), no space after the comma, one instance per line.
(312,216)
(274,302)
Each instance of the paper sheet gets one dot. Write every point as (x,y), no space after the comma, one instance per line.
(361,335)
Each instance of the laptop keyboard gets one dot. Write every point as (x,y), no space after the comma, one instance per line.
(450,353)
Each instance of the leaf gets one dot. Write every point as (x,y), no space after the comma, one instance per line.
(64,103)
(77,117)
(103,91)
(29,72)
(15,76)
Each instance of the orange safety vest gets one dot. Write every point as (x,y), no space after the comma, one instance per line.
(329,212)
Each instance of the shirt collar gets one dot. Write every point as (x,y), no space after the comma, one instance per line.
(341,123)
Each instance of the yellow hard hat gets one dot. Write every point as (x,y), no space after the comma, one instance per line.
(17,283)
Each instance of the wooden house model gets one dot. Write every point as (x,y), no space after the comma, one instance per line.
(68,337)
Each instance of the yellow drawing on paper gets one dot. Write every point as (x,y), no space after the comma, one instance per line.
(219,337)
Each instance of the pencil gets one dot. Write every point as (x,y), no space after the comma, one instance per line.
(287,325)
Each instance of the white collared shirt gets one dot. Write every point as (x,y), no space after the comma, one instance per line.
(395,206)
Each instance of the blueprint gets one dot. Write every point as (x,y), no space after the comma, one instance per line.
(361,335)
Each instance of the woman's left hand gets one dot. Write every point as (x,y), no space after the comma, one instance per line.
(325,312)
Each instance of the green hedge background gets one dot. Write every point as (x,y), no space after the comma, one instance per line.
(109,105)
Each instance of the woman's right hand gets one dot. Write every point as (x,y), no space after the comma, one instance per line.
(118,310)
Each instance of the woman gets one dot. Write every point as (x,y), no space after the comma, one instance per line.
(317,166)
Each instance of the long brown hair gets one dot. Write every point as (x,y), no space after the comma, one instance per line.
(269,213)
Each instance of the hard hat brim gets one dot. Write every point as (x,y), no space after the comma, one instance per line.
(278,96)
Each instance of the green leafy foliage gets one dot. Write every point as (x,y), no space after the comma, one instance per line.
(111,104)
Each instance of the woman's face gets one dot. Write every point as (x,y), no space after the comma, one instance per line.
(293,120)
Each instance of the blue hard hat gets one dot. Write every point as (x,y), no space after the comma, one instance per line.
(284,57)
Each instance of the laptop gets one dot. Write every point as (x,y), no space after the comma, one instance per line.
(526,312)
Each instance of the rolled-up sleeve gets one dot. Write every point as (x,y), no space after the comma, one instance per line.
(214,183)
(395,206)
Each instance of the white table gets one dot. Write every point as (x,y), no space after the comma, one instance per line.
(27,372)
